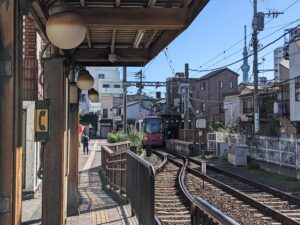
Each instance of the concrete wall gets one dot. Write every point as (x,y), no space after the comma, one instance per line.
(232,110)
(31,149)
(294,53)
(284,171)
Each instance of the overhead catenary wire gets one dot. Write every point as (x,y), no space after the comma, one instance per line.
(285,25)
(237,61)
(291,5)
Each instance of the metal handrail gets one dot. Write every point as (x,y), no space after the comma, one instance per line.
(213,212)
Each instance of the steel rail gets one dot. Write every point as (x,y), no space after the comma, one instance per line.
(260,206)
(212,212)
(258,185)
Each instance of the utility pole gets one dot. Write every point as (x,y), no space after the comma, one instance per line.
(124,100)
(255,68)
(186,97)
(257,25)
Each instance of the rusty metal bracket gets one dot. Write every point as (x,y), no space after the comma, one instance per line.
(5,68)
(4,205)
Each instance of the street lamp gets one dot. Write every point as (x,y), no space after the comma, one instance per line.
(65,29)
(93,95)
(85,81)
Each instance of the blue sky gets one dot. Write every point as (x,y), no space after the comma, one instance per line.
(215,39)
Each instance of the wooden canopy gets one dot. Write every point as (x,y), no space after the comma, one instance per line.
(133,30)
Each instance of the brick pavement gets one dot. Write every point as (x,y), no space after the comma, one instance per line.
(96,207)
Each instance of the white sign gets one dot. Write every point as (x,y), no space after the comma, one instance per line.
(118,118)
(201,123)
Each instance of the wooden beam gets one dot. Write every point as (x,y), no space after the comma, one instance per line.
(39,26)
(154,32)
(113,40)
(54,176)
(118,3)
(131,18)
(168,36)
(10,113)
(73,166)
(186,3)
(40,12)
(151,3)
(133,56)
(138,38)
(88,38)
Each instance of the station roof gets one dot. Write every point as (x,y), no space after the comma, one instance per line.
(134,30)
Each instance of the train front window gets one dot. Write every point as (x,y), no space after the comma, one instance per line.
(153,126)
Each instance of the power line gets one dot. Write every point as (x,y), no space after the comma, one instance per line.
(285,25)
(169,61)
(243,39)
(230,64)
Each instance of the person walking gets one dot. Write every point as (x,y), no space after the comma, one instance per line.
(85,142)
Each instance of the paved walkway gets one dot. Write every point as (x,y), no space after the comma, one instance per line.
(96,207)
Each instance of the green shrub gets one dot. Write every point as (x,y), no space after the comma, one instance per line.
(135,138)
(111,138)
(121,136)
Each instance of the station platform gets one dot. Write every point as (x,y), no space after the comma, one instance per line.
(96,206)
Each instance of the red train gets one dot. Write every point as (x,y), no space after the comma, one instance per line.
(152,126)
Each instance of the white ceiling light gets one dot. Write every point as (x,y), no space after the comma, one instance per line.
(85,81)
(93,95)
(65,29)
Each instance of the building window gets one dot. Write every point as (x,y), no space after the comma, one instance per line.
(119,111)
(297,89)
(221,107)
(247,106)
(117,86)
(231,84)
(105,113)
(202,86)
(221,84)
(101,76)
(105,85)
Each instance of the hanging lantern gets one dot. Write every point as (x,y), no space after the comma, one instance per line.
(85,81)
(65,29)
(93,95)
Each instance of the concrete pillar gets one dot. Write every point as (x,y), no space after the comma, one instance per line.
(73,166)
(10,113)
(54,177)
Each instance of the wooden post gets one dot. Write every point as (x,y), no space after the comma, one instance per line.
(73,164)
(54,180)
(10,113)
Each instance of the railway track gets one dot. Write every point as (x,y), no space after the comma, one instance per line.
(174,204)
(274,204)
(170,206)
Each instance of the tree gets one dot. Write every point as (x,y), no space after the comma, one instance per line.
(90,118)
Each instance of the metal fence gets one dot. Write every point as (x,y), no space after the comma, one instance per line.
(140,188)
